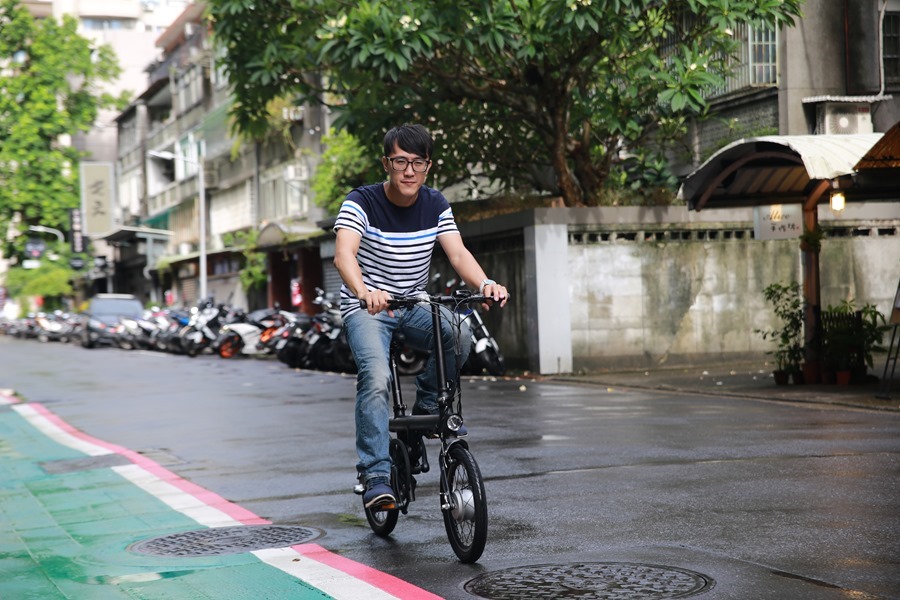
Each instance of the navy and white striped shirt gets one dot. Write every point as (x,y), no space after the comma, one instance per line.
(396,243)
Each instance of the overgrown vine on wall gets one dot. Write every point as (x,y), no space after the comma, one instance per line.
(253,273)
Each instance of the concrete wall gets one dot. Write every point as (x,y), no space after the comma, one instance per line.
(635,287)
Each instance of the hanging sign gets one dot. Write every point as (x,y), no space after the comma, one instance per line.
(777,222)
(97,180)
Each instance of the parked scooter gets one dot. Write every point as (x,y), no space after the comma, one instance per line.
(245,331)
(169,323)
(202,330)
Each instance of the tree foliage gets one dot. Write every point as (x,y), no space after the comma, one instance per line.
(551,95)
(52,281)
(253,274)
(48,92)
(345,164)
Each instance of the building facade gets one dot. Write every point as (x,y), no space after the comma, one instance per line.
(177,127)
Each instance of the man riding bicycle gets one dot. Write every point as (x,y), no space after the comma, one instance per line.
(385,239)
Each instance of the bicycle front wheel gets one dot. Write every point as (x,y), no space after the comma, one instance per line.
(466,516)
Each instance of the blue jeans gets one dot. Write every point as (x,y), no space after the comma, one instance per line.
(370,339)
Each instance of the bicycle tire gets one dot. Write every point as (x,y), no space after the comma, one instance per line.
(382,521)
(466,519)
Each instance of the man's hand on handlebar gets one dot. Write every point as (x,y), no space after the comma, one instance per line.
(376,301)
(497,292)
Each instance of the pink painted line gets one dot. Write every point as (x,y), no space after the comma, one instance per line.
(7,397)
(390,584)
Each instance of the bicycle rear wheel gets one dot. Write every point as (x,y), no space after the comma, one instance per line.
(466,517)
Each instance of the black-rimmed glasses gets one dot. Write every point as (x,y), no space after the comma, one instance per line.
(399,163)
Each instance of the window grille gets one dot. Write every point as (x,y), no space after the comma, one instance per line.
(756,62)
(891,37)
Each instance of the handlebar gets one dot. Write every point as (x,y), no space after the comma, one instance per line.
(458,298)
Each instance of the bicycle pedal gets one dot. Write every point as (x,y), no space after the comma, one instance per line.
(359,489)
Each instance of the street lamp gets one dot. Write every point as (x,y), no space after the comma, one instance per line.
(201,194)
(40,228)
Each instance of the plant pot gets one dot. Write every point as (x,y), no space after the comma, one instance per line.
(812,373)
(797,378)
(843,377)
(781,377)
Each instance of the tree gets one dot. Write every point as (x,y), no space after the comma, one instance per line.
(48,92)
(343,167)
(553,95)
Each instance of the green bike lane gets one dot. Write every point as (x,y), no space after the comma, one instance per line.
(72,507)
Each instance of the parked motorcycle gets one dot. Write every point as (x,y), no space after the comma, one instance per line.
(485,354)
(321,343)
(328,347)
(289,342)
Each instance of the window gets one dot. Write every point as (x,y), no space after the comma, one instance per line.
(92,24)
(754,62)
(190,88)
(757,60)
(891,36)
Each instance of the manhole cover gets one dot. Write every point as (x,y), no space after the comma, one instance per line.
(225,540)
(589,581)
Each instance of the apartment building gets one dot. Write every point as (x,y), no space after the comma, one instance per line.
(181,172)
(835,72)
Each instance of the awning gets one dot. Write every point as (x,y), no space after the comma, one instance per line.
(276,234)
(126,233)
(773,169)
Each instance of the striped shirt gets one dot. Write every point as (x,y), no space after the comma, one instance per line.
(396,243)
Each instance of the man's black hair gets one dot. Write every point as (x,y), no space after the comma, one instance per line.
(414,139)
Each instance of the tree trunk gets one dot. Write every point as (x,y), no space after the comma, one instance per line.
(571,191)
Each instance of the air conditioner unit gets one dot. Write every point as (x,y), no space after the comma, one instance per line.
(296,172)
(292,113)
(210,177)
(844,118)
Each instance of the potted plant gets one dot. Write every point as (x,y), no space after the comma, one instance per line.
(874,326)
(851,339)
(788,307)
(811,239)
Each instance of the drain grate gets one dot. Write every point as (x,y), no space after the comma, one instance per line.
(225,540)
(590,581)
(73,465)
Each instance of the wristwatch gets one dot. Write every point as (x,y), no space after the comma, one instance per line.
(485,283)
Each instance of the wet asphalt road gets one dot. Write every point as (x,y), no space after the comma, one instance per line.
(761,499)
